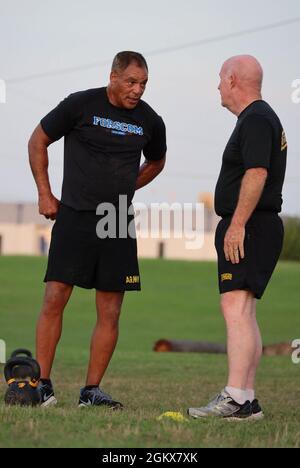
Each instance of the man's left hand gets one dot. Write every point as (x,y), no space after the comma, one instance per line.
(234,243)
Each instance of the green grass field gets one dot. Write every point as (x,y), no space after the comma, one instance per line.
(179,301)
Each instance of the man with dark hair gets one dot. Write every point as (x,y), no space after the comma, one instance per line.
(249,237)
(123,59)
(105,131)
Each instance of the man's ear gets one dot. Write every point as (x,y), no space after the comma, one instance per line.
(232,81)
(113,77)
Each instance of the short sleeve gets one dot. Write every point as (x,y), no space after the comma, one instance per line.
(60,121)
(157,146)
(256,142)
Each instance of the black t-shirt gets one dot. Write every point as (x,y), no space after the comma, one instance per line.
(258,140)
(103,145)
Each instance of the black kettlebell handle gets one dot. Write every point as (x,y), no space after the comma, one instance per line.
(22,361)
(21,351)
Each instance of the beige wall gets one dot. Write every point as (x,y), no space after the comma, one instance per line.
(176,249)
(21,229)
(24,239)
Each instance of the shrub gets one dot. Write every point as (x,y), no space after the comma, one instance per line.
(291,246)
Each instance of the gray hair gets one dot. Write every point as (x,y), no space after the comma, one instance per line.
(123,59)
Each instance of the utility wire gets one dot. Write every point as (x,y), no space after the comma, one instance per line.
(161,51)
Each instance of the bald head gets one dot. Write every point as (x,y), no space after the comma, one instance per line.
(247,72)
(241,82)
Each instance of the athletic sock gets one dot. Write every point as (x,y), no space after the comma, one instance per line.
(46,382)
(90,387)
(238,395)
(250,394)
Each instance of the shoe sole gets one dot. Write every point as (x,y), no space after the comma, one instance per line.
(203,417)
(257,416)
(52,401)
(242,420)
(253,417)
(200,417)
(113,408)
(229,419)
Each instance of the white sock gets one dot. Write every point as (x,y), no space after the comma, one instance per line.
(250,394)
(238,395)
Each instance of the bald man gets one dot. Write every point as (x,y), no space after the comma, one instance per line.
(249,236)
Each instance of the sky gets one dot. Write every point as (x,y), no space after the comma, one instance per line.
(51,49)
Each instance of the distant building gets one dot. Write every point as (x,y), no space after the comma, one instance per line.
(23,231)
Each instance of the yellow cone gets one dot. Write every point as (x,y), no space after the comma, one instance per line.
(171,415)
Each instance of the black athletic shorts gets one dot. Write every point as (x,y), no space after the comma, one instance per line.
(78,257)
(263,245)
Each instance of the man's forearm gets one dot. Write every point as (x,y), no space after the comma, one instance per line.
(38,158)
(148,172)
(251,190)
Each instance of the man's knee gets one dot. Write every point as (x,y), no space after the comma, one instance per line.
(236,304)
(56,297)
(109,308)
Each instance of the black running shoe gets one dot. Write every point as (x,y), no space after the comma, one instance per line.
(96,397)
(47,394)
(257,412)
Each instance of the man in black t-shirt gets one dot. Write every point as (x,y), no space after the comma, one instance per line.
(249,237)
(105,131)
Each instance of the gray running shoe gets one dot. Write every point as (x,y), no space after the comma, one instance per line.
(222,406)
(257,412)
(96,397)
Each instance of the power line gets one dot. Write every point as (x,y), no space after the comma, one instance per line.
(57,72)
(225,37)
(154,52)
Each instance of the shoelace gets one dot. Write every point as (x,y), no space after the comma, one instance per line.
(98,395)
(217,399)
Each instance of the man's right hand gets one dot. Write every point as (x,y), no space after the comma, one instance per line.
(48,206)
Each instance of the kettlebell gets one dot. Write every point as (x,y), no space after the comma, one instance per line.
(22,392)
(22,371)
